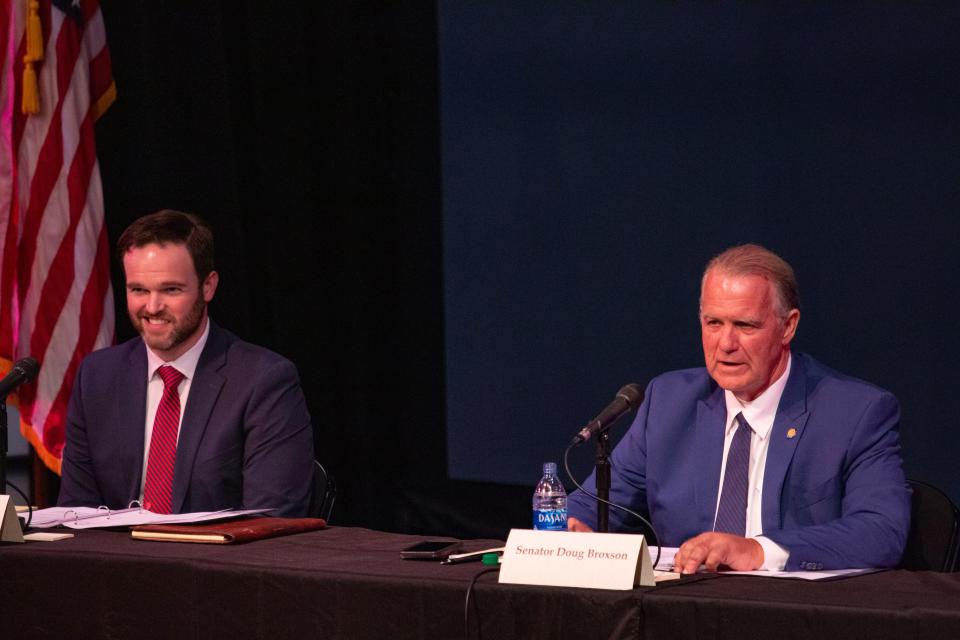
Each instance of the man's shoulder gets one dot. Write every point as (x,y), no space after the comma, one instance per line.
(682,382)
(829,392)
(244,351)
(115,354)
(824,378)
(240,353)
(694,376)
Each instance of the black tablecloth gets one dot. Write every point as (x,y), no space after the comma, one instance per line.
(334,583)
(351,583)
(888,604)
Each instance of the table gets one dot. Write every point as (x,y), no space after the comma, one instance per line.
(889,604)
(336,583)
(350,583)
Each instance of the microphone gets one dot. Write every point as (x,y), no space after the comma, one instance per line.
(629,397)
(24,370)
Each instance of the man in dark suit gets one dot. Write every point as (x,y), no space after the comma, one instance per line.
(187,417)
(816,482)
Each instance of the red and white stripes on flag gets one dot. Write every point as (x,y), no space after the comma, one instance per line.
(56,303)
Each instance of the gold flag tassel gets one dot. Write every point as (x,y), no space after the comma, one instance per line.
(31,89)
(31,93)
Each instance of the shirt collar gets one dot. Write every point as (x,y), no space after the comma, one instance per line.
(760,411)
(186,363)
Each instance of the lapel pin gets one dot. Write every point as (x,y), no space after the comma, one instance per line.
(791,432)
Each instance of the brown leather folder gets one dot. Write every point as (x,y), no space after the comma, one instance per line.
(227,531)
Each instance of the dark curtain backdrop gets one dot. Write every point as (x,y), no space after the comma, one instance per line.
(309,134)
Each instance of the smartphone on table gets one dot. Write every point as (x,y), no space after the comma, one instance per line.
(430,550)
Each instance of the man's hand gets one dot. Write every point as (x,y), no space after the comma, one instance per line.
(718,549)
(575,525)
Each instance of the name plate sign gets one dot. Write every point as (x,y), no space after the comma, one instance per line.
(10,530)
(573,559)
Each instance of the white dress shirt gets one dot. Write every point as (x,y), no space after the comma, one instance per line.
(759,414)
(185,364)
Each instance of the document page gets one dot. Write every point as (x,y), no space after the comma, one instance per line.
(100,517)
(667,555)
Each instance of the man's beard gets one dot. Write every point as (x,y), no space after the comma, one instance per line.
(179,331)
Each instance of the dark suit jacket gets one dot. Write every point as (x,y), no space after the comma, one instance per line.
(245,439)
(834,494)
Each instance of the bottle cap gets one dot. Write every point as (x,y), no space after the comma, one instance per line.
(549,468)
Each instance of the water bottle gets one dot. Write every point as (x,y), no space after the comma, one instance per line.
(550,501)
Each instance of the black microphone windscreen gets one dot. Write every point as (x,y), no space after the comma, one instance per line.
(632,393)
(29,367)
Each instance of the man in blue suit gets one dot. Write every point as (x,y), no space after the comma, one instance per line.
(816,481)
(243,438)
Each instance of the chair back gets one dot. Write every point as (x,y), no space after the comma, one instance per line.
(324,493)
(932,544)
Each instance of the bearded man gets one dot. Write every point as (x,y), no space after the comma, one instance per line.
(187,417)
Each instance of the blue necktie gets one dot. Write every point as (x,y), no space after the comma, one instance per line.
(732,511)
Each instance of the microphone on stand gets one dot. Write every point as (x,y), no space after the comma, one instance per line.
(629,397)
(24,370)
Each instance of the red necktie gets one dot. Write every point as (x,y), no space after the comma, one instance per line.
(158,488)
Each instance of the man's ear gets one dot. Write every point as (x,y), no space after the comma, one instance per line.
(790,326)
(210,286)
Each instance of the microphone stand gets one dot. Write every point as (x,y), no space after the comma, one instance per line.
(3,446)
(603,482)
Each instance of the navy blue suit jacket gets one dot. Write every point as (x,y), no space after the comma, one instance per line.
(834,494)
(245,438)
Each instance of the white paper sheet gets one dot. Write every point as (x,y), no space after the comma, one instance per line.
(99,517)
(667,555)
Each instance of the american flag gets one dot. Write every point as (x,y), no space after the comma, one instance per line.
(56,303)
